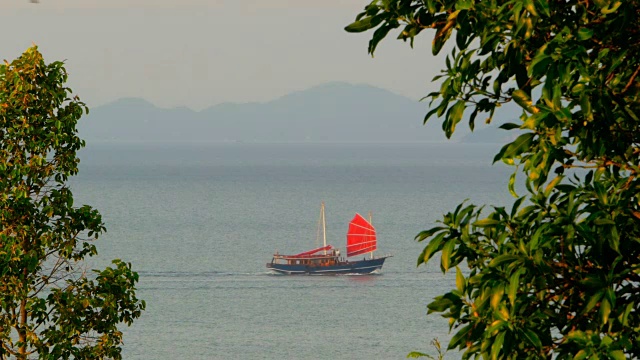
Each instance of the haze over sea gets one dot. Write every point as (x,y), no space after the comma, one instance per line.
(199,222)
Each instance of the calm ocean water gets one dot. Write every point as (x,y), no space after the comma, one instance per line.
(200,221)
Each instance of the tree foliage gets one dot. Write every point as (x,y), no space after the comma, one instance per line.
(557,274)
(50,306)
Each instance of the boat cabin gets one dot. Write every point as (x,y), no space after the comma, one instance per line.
(331,257)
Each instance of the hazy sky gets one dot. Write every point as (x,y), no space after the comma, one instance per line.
(199,53)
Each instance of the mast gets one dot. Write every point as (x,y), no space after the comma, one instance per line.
(371,253)
(324,228)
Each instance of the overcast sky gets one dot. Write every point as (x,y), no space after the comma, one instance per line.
(199,53)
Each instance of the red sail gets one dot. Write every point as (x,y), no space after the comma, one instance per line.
(361,238)
(311,252)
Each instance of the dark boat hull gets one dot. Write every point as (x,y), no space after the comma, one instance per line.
(366,266)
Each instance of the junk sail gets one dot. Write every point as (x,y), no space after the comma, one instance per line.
(361,237)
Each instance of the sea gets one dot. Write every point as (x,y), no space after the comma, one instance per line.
(200,221)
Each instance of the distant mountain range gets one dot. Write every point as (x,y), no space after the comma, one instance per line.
(332,112)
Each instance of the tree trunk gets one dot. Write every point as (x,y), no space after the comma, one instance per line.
(22,331)
(22,327)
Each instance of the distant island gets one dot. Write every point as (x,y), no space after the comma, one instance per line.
(331,112)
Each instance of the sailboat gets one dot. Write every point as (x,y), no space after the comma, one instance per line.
(326,260)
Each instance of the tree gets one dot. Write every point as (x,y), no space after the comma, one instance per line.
(557,274)
(50,306)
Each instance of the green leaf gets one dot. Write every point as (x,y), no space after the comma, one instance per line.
(544,6)
(605,310)
(614,239)
(431,6)
(593,282)
(440,304)
(552,185)
(378,35)
(441,37)
(454,115)
(581,355)
(512,185)
(577,336)
(520,145)
(613,7)
(624,316)
(516,206)
(539,65)
(486,222)
(578,89)
(431,248)
(459,338)
(522,98)
(461,283)
(509,126)
(364,24)
(417,354)
(593,301)
(428,233)
(497,345)
(585,34)
(464,4)
(528,4)
(514,285)
(604,221)
(496,326)
(501,259)
(532,338)
(617,355)
(446,254)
